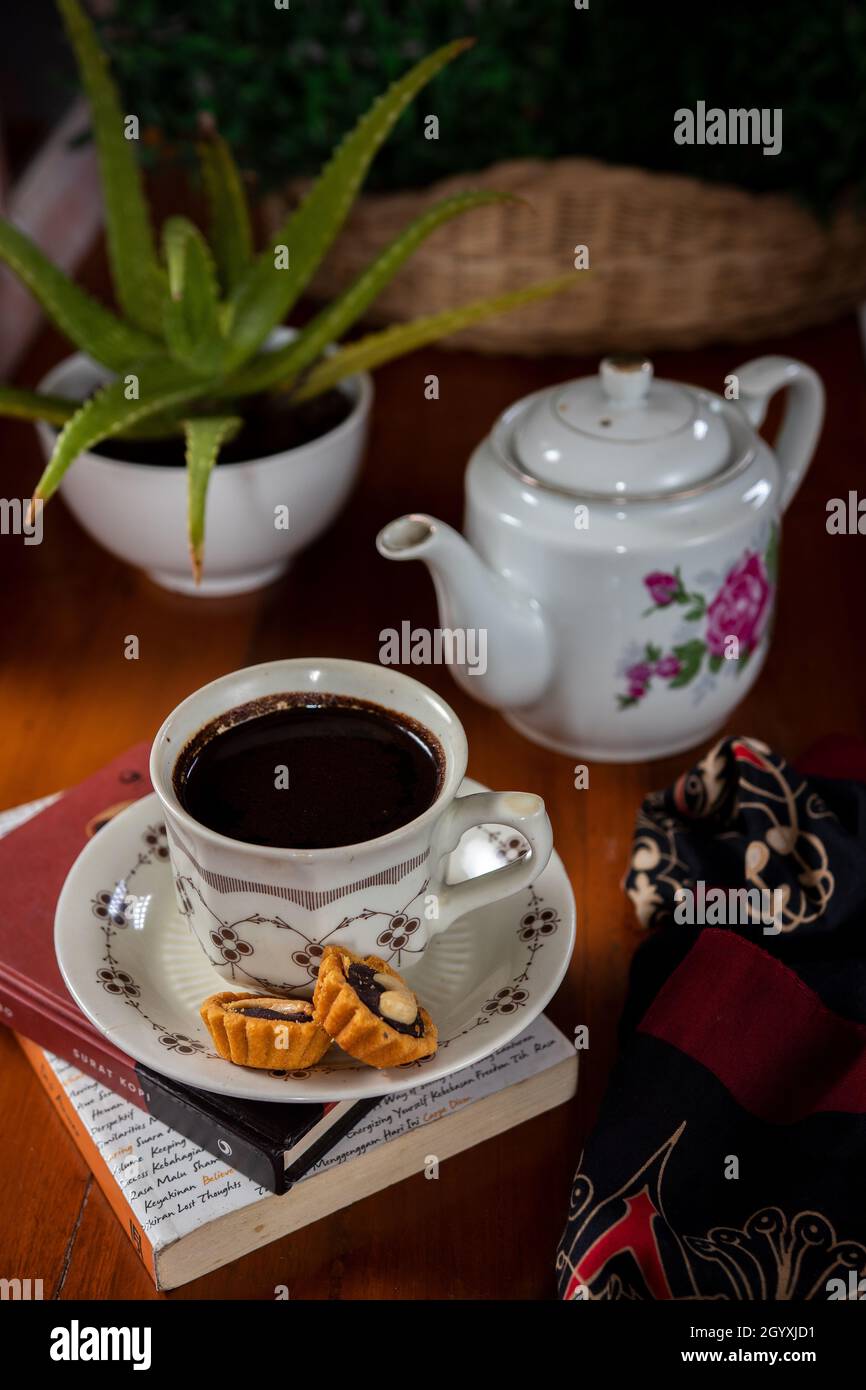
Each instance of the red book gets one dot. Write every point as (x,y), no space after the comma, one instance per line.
(34,861)
(77,1041)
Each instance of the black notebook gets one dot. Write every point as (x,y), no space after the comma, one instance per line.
(273,1144)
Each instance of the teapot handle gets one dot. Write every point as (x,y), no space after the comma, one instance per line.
(801,422)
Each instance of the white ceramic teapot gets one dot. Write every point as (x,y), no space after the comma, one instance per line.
(621,552)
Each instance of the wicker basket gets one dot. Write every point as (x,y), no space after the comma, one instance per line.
(674,262)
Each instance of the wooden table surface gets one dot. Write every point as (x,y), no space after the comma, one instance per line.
(69,701)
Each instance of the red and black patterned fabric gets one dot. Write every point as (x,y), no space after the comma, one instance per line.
(729,1158)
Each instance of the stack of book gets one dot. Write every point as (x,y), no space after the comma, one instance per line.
(199,1179)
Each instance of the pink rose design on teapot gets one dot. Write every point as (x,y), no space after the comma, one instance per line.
(736,621)
(741,607)
(663,588)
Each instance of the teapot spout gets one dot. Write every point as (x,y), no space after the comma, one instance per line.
(480,611)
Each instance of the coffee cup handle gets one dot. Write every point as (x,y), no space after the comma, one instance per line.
(521,811)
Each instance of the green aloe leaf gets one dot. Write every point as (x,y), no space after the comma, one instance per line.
(230,232)
(266,293)
(138,280)
(192,328)
(204,438)
(281,367)
(83,320)
(376,348)
(16,403)
(34,405)
(159,386)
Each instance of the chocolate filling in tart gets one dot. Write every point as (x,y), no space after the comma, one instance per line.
(260,1030)
(370,986)
(279,1015)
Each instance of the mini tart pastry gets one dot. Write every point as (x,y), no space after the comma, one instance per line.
(370,1011)
(254,1030)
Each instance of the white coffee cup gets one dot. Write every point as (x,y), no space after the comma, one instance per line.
(263,914)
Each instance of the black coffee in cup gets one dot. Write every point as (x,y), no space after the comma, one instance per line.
(304,771)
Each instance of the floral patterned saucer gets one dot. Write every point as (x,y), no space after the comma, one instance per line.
(139,975)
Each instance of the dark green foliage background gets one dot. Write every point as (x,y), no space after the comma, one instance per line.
(544,80)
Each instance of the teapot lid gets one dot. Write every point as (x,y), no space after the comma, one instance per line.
(622,434)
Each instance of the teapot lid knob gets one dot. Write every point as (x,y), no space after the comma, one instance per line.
(626,377)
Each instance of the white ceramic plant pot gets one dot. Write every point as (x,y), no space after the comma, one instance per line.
(138,511)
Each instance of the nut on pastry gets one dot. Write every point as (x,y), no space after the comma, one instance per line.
(254,1030)
(370,1011)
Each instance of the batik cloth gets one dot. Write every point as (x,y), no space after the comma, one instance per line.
(729,1158)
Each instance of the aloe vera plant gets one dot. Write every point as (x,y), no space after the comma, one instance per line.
(192,345)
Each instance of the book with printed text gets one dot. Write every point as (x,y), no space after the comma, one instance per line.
(188,1212)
